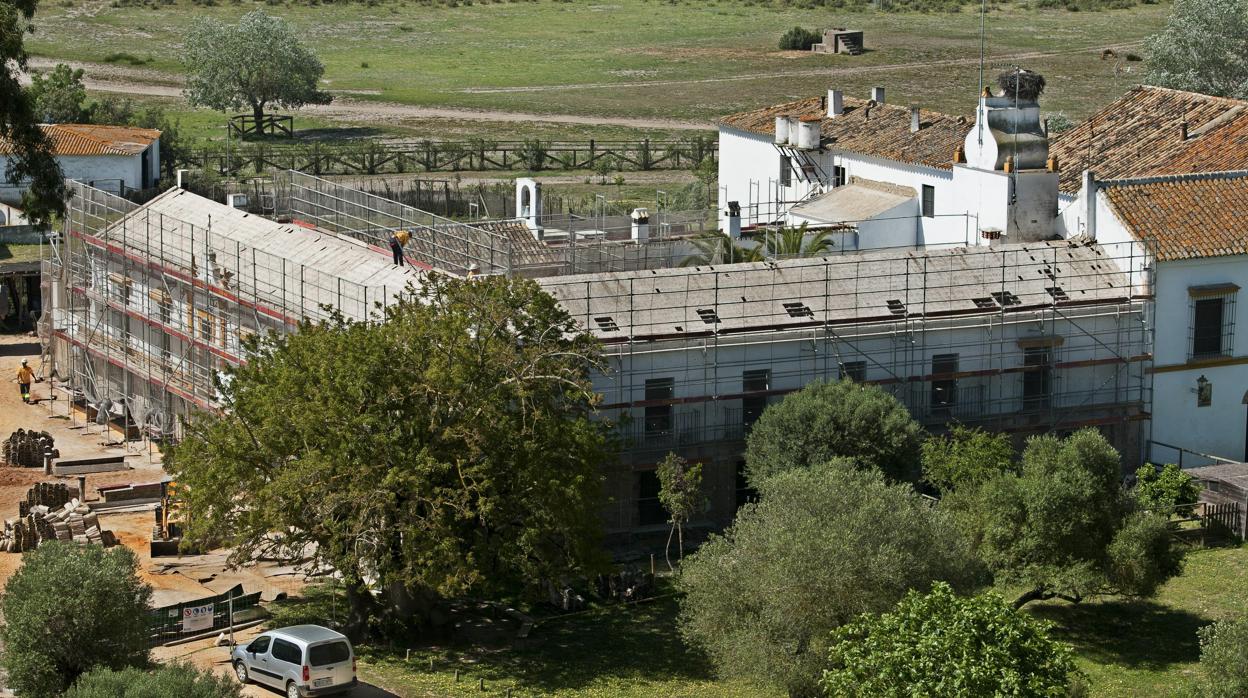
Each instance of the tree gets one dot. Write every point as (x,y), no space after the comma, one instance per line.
(1224,659)
(1203,48)
(258,62)
(444,447)
(941,644)
(1063,527)
(59,96)
(717,248)
(31,160)
(69,609)
(790,241)
(180,680)
(820,547)
(828,420)
(966,457)
(603,166)
(1166,491)
(707,174)
(680,493)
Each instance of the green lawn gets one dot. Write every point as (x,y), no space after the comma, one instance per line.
(1126,648)
(632,57)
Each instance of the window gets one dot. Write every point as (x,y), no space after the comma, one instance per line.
(286,651)
(1037,377)
(259,645)
(205,325)
(944,384)
(786,171)
(1213,313)
(659,417)
(752,406)
(328,653)
(929,201)
(838,176)
(855,371)
(649,509)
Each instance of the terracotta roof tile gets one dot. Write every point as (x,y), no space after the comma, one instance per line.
(1139,135)
(885,133)
(1185,217)
(94,139)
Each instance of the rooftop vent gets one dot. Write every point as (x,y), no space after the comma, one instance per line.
(708,315)
(896,307)
(1005,299)
(984,302)
(798,310)
(1058,294)
(607,324)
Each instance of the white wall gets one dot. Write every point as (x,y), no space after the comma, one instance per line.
(104,170)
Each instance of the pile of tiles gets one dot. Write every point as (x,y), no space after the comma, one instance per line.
(25,449)
(44,518)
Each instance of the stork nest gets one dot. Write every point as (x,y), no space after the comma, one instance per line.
(1026,85)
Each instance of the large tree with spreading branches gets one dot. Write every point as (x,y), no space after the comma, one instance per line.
(446,447)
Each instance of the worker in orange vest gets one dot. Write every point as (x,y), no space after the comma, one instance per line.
(397,240)
(25,376)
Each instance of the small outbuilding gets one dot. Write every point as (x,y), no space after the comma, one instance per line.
(117,159)
(840,40)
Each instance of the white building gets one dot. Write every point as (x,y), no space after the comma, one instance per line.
(111,158)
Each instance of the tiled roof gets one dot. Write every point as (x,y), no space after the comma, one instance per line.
(885,133)
(93,139)
(1187,216)
(1139,135)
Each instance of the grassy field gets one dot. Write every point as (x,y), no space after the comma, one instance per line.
(636,58)
(1126,648)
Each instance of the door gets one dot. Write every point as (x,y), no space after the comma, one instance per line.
(330,663)
(257,659)
(286,661)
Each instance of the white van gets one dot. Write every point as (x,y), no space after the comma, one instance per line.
(302,660)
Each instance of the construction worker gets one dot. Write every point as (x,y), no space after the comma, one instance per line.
(25,376)
(398,239)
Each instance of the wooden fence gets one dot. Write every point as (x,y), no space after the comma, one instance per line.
(1207,524)
(393,157)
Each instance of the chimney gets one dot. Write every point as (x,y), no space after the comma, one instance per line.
(914,118)
(641,224)
(991,236)
(836,103)
(181,175)
(1183,130)
(734,220)
(877,94)
(1089,194)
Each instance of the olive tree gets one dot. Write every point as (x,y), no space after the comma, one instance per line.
(1203,48)
(942,644)
(71,608)
(260,61)
(966,457)
(31,160)
(821,546)
(60,95)
(827,420)
(1064,526)
(443,448)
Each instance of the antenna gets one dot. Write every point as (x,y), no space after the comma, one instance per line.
(1018,78)
(983,13)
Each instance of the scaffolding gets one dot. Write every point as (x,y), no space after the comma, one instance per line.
(148,304)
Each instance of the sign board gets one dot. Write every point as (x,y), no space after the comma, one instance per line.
(197,617)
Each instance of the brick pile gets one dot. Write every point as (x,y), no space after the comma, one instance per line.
(49,513)
(25,449)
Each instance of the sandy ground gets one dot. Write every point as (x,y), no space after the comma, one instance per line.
(173,579)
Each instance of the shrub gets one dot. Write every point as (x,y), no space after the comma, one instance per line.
(179,680)
(1165,491)
(70,609)
(799,39)
(1224,659)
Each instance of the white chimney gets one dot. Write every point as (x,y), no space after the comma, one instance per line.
(877,93)
(836,103)
(734,220)
(182,176)
(1089,194)
(782,130)
(809,132)
(991,236)
(793,129)
(641,224)
(238,201)
(915,124)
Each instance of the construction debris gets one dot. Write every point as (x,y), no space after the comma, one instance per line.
(25,449)
(49,513)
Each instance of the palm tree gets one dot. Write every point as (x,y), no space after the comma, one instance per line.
(790,242)
(717,248)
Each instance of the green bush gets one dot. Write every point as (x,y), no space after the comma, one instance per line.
(179,680)
(1224,659)
(1165,491)
(799,39)
(69,609)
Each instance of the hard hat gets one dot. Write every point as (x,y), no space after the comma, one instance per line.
(474,267)
(23,362)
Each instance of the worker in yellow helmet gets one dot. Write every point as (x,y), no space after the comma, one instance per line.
(25,376)
(398,239)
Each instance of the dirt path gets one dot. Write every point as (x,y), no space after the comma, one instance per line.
(139,81)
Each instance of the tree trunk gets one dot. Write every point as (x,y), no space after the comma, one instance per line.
(667,550)
(257,111)
(1042,594)
(680,538)
(360,604)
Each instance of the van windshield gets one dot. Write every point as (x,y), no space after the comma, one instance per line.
(328,653)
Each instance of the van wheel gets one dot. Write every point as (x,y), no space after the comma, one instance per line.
(240,670)
(292,691)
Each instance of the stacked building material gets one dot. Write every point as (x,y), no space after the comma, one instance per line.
(25,449)
(43,519)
